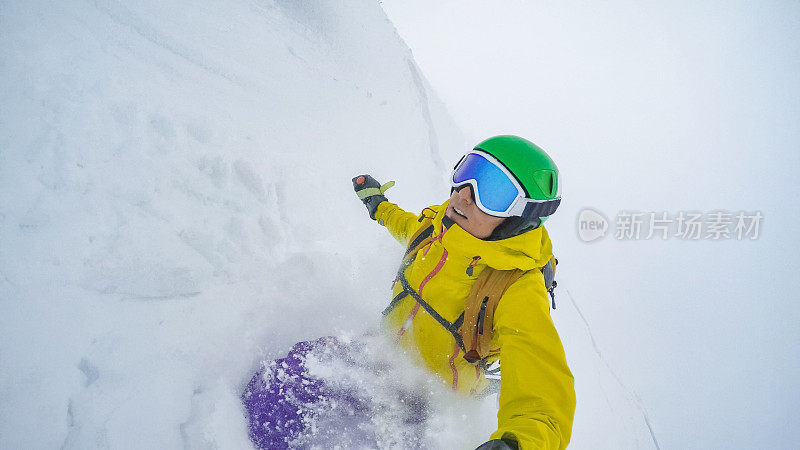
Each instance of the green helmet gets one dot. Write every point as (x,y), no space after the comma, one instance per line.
(533,169)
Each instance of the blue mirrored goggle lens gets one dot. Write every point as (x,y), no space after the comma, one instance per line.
(495,190)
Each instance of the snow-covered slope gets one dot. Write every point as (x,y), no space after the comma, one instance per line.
(175,204)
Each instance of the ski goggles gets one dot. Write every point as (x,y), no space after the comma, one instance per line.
(497,191)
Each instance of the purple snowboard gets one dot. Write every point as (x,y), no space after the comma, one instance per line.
(289,407)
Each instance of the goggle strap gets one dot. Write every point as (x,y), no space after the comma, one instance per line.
(541,209)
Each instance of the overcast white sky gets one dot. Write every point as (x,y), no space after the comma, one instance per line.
(653,106)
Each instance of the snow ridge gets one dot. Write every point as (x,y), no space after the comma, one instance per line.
(631,395)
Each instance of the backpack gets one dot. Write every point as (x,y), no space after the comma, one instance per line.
(473,328)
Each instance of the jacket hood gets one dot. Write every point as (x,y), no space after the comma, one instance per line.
(527,251)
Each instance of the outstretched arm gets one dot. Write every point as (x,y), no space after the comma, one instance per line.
(537,394)
(401,224)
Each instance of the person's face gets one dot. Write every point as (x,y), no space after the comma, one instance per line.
(464,212)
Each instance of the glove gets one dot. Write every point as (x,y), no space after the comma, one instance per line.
(370,192)
(499,444)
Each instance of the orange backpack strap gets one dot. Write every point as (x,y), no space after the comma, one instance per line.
(476,329)
(478,318)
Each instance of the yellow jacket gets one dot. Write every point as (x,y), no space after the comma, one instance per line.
(537,395)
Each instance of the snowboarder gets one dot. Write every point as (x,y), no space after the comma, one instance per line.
(471,292)
(502,192)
